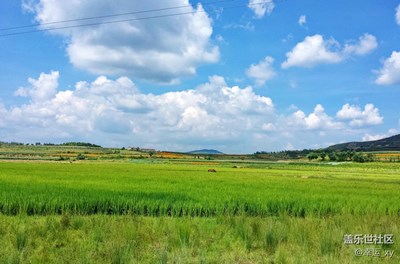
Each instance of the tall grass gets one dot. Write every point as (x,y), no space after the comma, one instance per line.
(233,239)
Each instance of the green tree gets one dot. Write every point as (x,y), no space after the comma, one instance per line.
(370,157)
(312,156)
(332,156)
(359,157)
(349,154)
(341,156)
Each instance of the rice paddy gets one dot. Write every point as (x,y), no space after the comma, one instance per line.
(162,211)
(190,190)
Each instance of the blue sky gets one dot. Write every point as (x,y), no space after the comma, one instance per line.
(237,76)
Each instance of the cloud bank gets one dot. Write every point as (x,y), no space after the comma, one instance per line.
(116,113)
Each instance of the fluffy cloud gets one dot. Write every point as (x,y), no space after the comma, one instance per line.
(160,50)
(390,71)
(359,118)
(318,119)
(262,72)
(302,20)
(314,50)
(41,89)
(214,115)
(366,44)
(397,16)
(261,7)
(310,52)
(116,112)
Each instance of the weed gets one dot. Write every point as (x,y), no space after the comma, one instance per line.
(21,239)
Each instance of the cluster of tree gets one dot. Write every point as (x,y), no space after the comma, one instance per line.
(75,144)
(285,154)
(317,154)
(11,143)
(80,144)
(347,155)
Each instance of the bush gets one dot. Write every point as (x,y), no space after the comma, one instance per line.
(80,156)
(332,156)
(312,156)
(358,157)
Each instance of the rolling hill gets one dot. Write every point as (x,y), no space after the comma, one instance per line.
(205,151)
(386,144)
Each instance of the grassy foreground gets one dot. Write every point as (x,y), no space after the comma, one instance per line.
(138,239)
(105,212)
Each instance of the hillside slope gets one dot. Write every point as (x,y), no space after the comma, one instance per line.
(386,144)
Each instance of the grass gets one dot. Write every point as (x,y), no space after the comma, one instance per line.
(236,239)
(110,212)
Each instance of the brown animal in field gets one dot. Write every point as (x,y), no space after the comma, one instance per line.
(212,170)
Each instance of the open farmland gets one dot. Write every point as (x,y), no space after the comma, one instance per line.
(162,212)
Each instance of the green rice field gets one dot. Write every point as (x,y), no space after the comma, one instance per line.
(190,190)
(178,212)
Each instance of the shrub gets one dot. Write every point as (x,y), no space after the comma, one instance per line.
(80,156)
(312,156)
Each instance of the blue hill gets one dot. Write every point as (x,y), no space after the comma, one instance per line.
(205,151)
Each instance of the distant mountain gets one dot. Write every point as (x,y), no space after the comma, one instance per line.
(205,151)
(385,144)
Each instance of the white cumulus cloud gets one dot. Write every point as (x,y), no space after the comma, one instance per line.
(262,72)
(366,44)
(114,112)
(390,71)
(357,117)
(260,8)
(318,119)
(310,52)
(314,50)
(160,50)
(41,89)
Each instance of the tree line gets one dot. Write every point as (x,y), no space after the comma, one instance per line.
(319,154)
(345,155)
(73,144)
